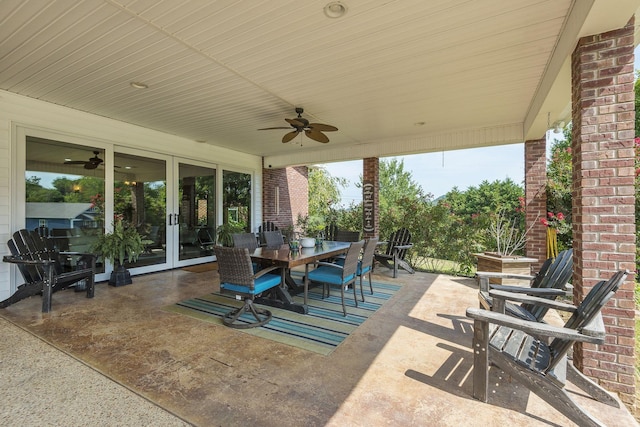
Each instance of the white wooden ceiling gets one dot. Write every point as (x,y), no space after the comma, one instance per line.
(219,70)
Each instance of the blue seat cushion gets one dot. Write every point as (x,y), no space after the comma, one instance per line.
(325,274)
(261,284)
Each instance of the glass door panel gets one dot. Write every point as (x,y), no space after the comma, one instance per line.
(236,205)
(140,199)
(65,187)
(196,211)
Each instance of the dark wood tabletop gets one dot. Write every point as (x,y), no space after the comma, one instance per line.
(286,258)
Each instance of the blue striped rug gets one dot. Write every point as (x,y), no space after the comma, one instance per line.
(320,331)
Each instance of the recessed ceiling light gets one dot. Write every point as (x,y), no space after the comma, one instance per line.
(420,123)
(139,85)
(335,9)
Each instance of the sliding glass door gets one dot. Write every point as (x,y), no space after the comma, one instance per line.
(194,214)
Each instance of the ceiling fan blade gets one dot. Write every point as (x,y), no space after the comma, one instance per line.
(322,127)
(75,162)
(316,135)
(295,123)
(279,127)
(289,136)
(90,165)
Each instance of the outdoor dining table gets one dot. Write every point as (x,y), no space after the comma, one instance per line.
(286,258)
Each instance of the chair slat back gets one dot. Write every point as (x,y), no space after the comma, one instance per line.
(586,311)
(267,226)
(351,259)
(273,238)
(400,237)
(245,240)
(234,266)
(556,276)
(330,232)
(23,245)
(347,236)
(367,253)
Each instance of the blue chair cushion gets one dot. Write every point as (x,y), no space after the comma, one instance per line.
(261,284)
(325,274)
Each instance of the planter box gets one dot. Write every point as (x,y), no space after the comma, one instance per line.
(492,262)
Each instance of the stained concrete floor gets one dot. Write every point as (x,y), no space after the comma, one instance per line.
(119,360)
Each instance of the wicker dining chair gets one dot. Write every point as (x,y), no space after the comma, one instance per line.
(329,273)
(245,240)
(237,278)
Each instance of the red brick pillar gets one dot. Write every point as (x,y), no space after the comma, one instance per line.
(370,189)
(603,197)
(285,194)
(535,195)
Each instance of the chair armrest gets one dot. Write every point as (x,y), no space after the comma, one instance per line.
(265,271)
(528,299)
(16,260)
(402,247)
(529,291)
(532,328)
(329,264)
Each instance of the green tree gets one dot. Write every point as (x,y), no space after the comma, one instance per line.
(324,193)
(35,192)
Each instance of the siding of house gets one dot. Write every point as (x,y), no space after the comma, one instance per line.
(74,126)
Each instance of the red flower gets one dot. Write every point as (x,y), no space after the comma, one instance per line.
(544,222)
(550,215)
(560,216)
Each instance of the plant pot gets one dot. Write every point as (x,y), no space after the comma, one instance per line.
(120,276)
(308,242)
(509,264)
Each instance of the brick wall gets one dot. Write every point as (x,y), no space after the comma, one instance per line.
(291,187)
(603,197)
(535,164)
(370,174)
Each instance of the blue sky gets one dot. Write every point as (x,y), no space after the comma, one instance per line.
(437,173)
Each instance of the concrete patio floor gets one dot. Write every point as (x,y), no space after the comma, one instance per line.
(119,360)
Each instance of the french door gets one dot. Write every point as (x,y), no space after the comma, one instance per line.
(171,202)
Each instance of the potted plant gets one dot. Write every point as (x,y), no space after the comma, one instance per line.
(507,239)
(123,243)
(225,232)
(310,227)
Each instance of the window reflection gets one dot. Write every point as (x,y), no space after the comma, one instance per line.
(64,192)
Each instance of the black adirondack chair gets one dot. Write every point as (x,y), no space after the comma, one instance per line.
(397,246)
(550,282)
(43,268)
(520,348)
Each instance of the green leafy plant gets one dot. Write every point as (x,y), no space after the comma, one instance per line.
(225,232)
(123,243)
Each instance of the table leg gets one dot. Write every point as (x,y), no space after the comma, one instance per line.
(306,283)
(281,298)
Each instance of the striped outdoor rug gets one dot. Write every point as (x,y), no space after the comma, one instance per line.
(320,331)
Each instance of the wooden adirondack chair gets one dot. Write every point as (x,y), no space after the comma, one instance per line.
(520,348)
(42,268)
(397,246)
(550,282)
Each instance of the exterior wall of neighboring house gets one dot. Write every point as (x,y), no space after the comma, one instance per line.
(19,114)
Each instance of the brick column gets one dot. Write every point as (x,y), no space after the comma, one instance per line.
(285,194)
(535,195)
(603,197)
(370,190)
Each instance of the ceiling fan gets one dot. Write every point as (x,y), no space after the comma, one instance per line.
(299,124)
(92,163)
